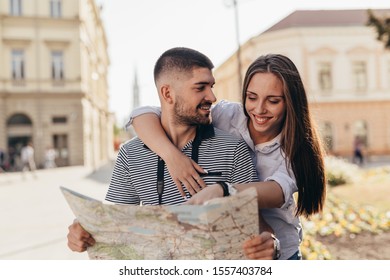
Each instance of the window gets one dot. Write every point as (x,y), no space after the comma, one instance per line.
(15,7)
(60,143)
(18,65)
(360,131)
(19,119)
(59,119)
(325,76)
(57,66)
(359,73)
(55,8)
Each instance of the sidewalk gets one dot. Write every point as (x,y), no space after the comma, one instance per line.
(35,216)
(376,161)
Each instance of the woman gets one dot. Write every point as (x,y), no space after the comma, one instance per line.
(275,122)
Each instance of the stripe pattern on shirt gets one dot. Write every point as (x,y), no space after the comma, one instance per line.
(134,178)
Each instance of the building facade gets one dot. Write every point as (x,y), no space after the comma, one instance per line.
(53,81)
(345,69)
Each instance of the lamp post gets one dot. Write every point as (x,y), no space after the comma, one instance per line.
(235,6)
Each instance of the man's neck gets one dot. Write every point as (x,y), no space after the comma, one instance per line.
(179,134)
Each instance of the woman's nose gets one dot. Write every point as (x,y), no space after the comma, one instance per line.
(261,108)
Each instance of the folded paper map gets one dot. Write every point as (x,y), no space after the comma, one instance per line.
(215,230)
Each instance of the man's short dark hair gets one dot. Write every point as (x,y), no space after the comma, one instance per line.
(180,59)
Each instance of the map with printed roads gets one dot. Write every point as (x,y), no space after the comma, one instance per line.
(215,230)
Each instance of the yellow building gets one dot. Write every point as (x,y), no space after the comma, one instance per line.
(345,69)
(53,80)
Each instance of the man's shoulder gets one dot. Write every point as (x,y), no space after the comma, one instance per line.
(135,149)
(134,142)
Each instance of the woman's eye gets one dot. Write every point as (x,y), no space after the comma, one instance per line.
(274,101)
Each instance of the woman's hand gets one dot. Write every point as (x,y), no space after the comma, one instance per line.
(185,171)
(212,191)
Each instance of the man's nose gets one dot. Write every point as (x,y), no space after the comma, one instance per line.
(210,96)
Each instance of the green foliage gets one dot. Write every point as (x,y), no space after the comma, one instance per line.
(335,180)
(117,130)
(339,171)
(382,26)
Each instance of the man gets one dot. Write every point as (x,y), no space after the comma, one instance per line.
(2,160)
(184,83)
(27,158)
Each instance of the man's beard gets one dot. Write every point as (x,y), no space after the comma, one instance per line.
(184,117)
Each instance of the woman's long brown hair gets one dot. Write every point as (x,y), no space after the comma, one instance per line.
(299,139)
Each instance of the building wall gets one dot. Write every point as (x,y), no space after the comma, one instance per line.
(341,106)
(344,117)
(73,109)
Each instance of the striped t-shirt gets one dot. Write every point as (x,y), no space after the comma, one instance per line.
(134,179)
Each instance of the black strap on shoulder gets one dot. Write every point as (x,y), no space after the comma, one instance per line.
(160,179)
(196,144)
(161,163)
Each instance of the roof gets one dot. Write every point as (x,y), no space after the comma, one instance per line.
(326,18)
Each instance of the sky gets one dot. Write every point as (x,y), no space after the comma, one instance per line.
(139,31)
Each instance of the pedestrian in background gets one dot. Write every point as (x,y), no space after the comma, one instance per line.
(358,151)
(27,158)
(2,160)
(50,157)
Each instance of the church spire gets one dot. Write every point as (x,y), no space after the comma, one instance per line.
(135,91)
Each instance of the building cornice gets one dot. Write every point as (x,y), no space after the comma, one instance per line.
(17,42)
(6,19)
(326,18)
(42,95)
(349,99)
(57,43)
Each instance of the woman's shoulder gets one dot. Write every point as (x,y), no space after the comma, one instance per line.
(228,104)
(228,109)
(229,117)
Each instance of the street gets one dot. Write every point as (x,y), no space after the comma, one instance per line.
(34,214)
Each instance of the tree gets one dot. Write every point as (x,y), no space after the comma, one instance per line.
(382,26)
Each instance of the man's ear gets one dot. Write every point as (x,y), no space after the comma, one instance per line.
(166,93)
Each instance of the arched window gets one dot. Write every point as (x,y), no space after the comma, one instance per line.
(19,119)
(325,76)
(360,131)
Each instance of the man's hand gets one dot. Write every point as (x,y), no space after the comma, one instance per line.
(212,191)
(261,247)
(79,239)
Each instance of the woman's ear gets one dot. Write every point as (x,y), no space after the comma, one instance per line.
(166,94)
